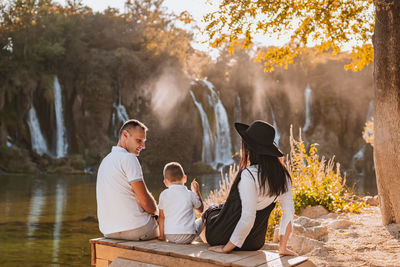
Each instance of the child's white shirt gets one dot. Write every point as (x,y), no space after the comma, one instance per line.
(178,204)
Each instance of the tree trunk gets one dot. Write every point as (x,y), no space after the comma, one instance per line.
(387,107)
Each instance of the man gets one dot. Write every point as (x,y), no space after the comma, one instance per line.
(125,207)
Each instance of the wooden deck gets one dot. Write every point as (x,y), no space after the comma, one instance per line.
(158,253)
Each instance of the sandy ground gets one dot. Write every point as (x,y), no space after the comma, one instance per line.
(364,243)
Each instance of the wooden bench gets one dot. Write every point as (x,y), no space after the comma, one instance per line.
(158,253)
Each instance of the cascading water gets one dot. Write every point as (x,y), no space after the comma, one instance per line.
(223,145)
(360,153)
(119,114)
(237,117)
(39,144)
(208,139)
(62,144)
(308,99)
(277,134)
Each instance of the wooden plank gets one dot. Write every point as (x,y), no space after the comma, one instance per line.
(285,261)
(195,252)
(121,262)
(260,257)
(107,241)
(111,253)
(93,250)
(102,263)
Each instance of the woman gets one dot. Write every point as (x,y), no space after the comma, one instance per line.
(241,222)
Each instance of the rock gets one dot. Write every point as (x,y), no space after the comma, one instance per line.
(306,222)
(313,211)
(303,244)
(314,232)
(319,252)
(339,224)
(372,201)
(330,215)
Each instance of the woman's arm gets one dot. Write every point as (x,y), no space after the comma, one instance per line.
(286,223)
(283,250)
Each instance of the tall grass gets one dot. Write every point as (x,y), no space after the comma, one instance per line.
(315,181)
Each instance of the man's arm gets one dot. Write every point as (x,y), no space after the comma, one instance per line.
(144,198)
(161,225)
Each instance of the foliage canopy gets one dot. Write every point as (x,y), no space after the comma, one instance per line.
(324,24)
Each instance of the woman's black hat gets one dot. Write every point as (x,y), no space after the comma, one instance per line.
(259,136)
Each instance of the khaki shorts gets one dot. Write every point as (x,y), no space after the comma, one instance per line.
(146,232)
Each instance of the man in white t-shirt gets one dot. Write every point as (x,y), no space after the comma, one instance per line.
(125,207)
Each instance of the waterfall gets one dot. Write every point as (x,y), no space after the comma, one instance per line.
(120,115)
(360,153)
(120,111)
(208,140)
(223,145)
(277,134)
(308,98)
(237,117)
(39,144)
(62,144)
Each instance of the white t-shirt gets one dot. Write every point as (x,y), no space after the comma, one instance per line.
(117,207)
(177,203)
(253,199)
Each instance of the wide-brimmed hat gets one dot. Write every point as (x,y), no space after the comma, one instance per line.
(259,136)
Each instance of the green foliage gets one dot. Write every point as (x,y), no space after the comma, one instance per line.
(326,24)
(15,161)
(315,182)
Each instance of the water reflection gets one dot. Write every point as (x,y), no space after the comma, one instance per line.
(35,208)
(52,218)
(60,196)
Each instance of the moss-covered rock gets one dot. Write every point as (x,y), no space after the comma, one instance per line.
(14,160)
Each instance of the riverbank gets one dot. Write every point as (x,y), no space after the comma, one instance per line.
(356,240)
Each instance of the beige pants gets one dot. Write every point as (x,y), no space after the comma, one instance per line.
(146,232)
(186,238)
(180,238)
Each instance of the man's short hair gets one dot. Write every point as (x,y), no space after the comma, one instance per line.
(131,124)
(173,172)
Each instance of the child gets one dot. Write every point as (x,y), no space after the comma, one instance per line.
(176,206)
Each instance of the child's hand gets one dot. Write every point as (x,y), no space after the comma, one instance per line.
(194,186)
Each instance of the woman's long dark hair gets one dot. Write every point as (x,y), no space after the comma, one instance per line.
(271,170)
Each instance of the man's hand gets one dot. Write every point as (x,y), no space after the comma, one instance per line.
(144,198)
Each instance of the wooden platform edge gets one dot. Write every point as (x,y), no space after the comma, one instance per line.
(93,256)
(102,243)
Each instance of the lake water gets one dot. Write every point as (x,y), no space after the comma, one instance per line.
(49,219)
